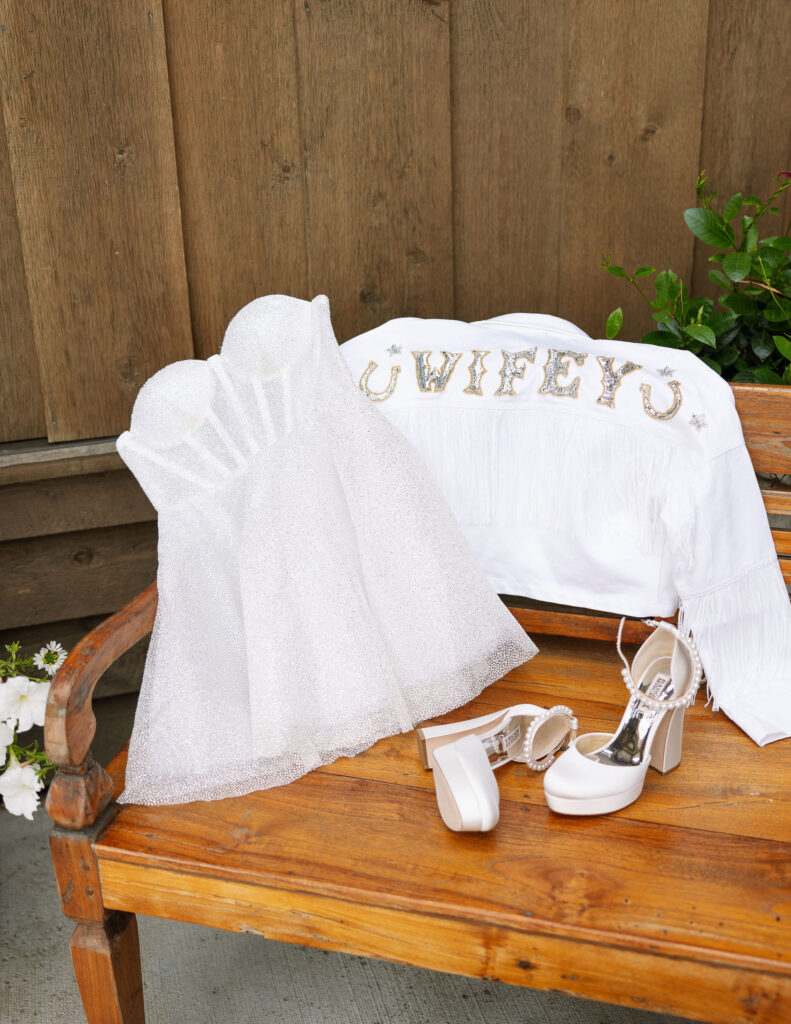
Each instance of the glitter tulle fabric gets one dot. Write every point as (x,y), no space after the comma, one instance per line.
(315,593)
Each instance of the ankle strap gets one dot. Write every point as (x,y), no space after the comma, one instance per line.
(631,685)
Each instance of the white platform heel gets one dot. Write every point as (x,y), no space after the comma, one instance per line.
(601,773)
(463,757)
(467,794)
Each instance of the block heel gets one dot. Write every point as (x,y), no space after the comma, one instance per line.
(666,746)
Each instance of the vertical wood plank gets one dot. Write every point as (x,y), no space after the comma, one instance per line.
(375,109)
(21,408)
(507,115)
(87,112)
(236,122)
(746,128)
(634,95)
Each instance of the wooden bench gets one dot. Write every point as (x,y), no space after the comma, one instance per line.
(679,903)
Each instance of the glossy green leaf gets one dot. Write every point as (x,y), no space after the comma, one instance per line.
(766,375)
(732,334)
(709,227)
(701,333)
(732,208)
(743,376)
(770,257)
(728,355)
(782,242)
(717,277)
(712,363)
(762,346)
(614,322)
(783,345)
(752,200)
(644,271)
(736,265)
(720,322)
(660,338)
(778,312)
(616,271)
(740,303)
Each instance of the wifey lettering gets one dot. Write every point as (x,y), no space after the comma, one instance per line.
(433,377)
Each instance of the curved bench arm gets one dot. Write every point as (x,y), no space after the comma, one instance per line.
(81,789)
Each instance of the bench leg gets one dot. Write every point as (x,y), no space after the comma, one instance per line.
(107,965)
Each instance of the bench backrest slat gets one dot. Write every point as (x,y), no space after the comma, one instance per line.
(765,412)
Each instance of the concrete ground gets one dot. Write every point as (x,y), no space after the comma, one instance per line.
(196,975)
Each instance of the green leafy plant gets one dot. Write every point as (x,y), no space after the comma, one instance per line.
(746,334)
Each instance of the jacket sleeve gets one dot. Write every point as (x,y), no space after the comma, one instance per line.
(732,597)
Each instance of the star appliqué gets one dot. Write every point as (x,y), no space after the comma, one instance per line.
(666,371)
(698,421)
(394,350)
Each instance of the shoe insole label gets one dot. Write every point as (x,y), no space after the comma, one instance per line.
(511,737)
(661,687)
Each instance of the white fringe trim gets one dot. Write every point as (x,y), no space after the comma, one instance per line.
(743,631)
(529,468)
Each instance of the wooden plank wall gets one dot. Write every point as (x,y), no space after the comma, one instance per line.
(86,105)
(163,163)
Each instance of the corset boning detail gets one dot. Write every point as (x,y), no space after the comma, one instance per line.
(198,425)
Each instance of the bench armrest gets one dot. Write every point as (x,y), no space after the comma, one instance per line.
(81,789)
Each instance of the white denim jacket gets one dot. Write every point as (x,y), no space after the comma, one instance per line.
(602,474)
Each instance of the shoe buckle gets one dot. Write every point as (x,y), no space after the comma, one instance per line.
(498,745)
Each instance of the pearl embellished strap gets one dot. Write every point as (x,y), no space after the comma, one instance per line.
(688,698)
(535,725)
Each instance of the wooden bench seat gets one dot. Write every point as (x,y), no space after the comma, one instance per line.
(679,903)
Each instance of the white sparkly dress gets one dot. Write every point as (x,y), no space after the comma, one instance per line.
(315,593)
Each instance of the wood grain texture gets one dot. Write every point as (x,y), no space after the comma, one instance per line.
(70,722)
(648,886)
(765,412)
(507,122)
(746,140)
(87,114)
(107,965)
(24,461)
(77,796)
(560,620)
(631,146)
(374,82)
(61,505)
(76,871)
(233,80)
(522,952)
(777,500)
(73,574)
(21,406)
(782,539)
(690,882)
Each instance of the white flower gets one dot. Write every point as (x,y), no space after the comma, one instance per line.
(23,701)
(50,658)
(6,737)
(19,786)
